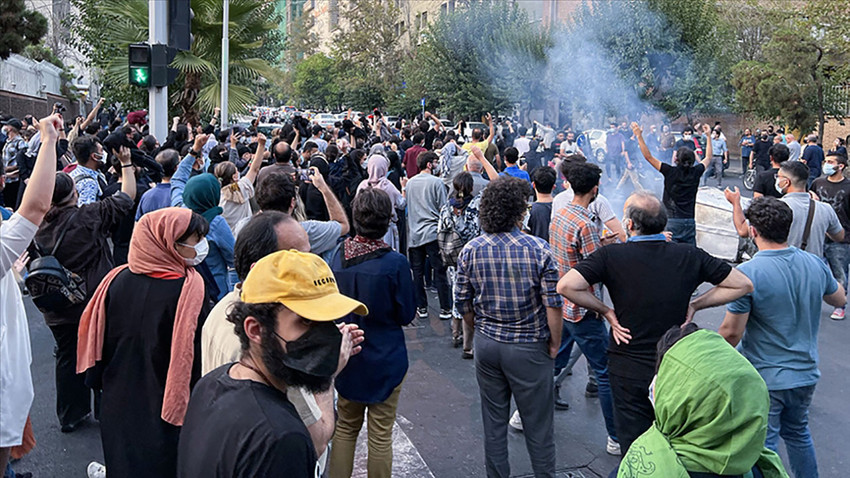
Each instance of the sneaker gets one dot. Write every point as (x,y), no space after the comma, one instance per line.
(613,448)
(457,342)
(516,421)
(423,312)
(837,314)
(591,390)
(445,314)
(96,470)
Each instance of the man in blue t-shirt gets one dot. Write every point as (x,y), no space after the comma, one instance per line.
(813,157)
(511,169)
(777,326)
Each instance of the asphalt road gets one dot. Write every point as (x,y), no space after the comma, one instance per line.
(439,432)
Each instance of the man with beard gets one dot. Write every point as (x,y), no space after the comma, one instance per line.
(239,422)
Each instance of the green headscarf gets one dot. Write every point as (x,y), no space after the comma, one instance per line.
(202,195)
(711,409)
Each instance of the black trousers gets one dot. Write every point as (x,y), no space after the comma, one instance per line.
(417,256)
(633,412)
(73,397)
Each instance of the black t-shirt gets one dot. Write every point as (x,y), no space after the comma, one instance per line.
(241,428)
(538,219)
(430,136)
(650,284)
(680,189)
(765,183)
(836,195)
(761,157)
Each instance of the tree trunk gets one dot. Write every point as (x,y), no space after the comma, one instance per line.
(188,98)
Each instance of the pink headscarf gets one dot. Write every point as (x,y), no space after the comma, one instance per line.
(378,168)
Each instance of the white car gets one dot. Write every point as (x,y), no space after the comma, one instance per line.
(592,142)
(325,120)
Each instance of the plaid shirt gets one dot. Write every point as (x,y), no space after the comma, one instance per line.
(574,236)
(508,280)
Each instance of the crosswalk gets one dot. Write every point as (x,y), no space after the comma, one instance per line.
(407,461)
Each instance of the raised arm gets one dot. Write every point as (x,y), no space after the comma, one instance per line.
(492,128)
(92,115)
(706,160)
(335,209)
(128,172)
(738,219)
(644,148)
(257,161)
(488,168)
(39,192)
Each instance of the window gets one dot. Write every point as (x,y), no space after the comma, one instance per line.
(333,11)
(451,6)
(424,19)
(444,8)
(418,22)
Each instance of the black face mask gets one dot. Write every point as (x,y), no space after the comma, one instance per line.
(309,361)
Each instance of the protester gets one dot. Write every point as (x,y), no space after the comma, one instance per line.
(478,140)
(813,157)
(781,318)
(643,311)
(368,270)
(89,181)
(412,153)
(282,154)
(601,208)
(543,181)
(239,422)
(138,340)
(719,158)
(16,386)
(159,196)
(794,147)
(680,186)
(236,192)
(506,289)
(834,189)
(378,170)
(808,235)
(710,413)
(615,147)
(765,183)
(459,224)
(746,143)
(838,147)
(425,197)
(759,155)
(78,238)
(511,169)
(574,236)
(15,144)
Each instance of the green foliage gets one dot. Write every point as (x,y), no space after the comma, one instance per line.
(803,60)
(488,64)
(315,83)
(19,27)
(103,29)
(366,52)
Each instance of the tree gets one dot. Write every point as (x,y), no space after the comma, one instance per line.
(315,83)
(104,29)
(19,27)
(801,63)
(490,64)
(366,51)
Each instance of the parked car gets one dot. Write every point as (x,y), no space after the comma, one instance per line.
(325,120)
(476,124)
(592,143)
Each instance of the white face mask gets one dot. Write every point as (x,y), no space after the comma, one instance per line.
(829,169)
(202,248)
(777,185)
(102,158)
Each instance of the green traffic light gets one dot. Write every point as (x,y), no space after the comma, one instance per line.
(139,76)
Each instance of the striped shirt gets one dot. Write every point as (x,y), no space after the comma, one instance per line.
(574,236)
(508,279)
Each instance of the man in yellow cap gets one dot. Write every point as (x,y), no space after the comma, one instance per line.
(239,422)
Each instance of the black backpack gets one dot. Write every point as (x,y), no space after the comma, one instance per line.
(51,285)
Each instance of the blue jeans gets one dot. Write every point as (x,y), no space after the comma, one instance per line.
(684,230)
(838,258)
(592,338)
(789,418)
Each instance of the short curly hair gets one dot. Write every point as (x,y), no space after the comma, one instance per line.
(771,218)
(503,203)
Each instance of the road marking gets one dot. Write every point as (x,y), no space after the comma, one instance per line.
(407,461)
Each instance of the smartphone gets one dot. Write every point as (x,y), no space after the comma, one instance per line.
(305,175)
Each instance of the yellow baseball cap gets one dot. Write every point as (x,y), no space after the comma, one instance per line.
(303,283)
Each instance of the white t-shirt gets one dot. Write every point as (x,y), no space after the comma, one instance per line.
(600,208)
(235,212)
(522,145)
(16,390)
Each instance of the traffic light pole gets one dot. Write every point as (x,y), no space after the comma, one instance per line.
(158,97)
(225,62)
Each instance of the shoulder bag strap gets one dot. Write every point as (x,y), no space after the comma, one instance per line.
(807,231)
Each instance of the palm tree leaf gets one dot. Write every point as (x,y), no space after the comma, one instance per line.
(238,97)
(187,62)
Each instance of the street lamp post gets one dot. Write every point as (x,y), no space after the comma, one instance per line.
(225,61)
(158,97)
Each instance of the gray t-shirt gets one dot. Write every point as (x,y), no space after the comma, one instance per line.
(600,208)
(425,196)
(825,221)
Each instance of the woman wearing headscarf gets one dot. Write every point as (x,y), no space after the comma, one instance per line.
(711,412)
(139,338)
(314,203)
(235,192)
(378,167)
(78,238)
(202,195)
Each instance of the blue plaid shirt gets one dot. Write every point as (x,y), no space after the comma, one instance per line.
(508,280)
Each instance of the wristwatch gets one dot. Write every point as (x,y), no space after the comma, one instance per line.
(194,153)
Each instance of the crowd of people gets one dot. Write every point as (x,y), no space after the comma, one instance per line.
(233,303)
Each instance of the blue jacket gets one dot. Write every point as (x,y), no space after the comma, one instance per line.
(385,285)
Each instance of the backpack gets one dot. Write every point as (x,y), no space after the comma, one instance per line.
(51,285)
(450,244)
